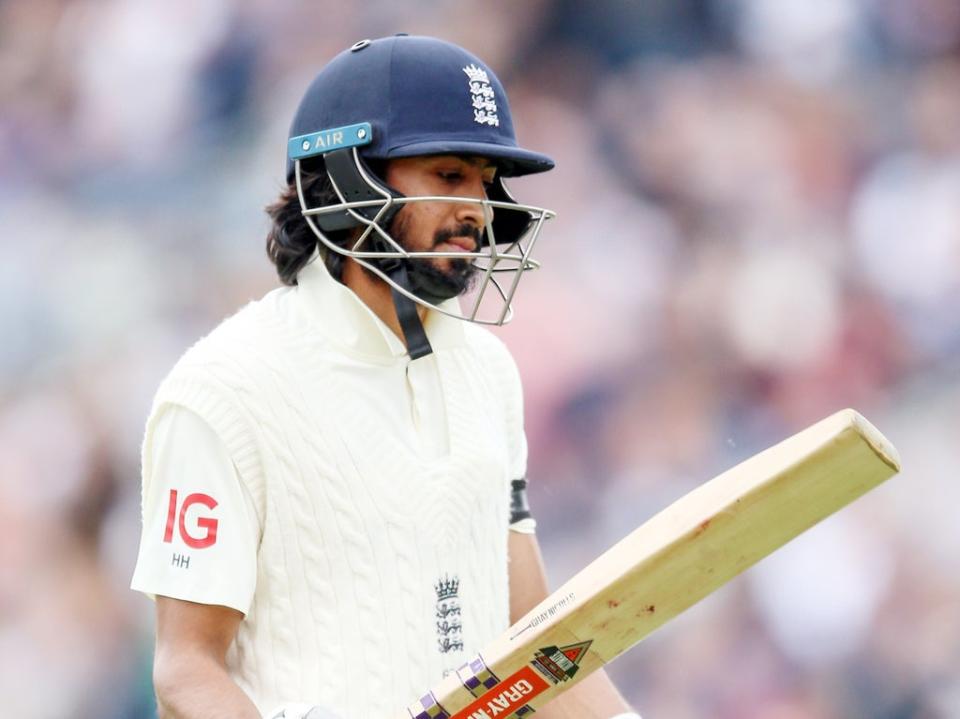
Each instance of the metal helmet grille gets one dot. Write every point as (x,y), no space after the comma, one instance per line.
(498,267)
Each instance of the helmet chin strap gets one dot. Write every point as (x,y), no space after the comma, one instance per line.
(414,333)
(405,273)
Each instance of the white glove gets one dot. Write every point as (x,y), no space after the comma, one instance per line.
(628,715)
(301,711)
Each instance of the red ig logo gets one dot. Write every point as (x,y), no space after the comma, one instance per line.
(208,523)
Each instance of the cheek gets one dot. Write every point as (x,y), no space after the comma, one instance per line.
(421,224)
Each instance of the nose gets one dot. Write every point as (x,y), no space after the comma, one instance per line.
(474,212)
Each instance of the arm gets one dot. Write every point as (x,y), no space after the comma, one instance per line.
(595,697)
(189,670)
(209,559)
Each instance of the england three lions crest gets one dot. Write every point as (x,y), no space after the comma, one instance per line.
(448,612)
(482,97)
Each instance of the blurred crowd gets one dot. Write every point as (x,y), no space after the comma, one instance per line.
(759,224)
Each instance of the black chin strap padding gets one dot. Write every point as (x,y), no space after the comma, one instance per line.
(508,225)
(413,332)
(341,167)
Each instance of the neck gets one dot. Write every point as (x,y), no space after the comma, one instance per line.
(375,294)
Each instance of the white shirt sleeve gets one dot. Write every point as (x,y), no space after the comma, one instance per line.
(200,526)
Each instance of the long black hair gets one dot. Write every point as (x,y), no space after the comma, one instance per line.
(290,241)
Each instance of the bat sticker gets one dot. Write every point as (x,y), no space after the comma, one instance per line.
(549,613)
(427,707)
(560,663)
(477,677)
(508,699)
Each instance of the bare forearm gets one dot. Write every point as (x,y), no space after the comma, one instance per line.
(595,697)
(197,687)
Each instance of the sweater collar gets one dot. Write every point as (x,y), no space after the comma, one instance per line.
(345,319)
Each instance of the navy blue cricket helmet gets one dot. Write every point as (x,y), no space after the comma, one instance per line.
(420,96)
(406,96)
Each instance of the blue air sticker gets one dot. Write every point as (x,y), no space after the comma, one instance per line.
(337,138)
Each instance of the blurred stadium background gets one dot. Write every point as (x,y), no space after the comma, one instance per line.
(759,224)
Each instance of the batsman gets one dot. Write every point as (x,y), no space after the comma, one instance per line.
(334,510)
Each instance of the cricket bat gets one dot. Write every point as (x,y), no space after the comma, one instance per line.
(668,564)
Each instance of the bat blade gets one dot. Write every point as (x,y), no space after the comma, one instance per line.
(668,564)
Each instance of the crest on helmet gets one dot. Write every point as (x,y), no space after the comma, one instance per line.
(481,96)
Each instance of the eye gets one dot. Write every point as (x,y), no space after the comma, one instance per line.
(451,176)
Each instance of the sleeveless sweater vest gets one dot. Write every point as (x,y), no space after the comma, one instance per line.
(379,569)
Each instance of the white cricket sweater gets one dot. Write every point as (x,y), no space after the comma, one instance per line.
(381,488)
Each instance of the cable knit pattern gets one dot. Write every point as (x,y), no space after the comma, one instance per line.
(357,524)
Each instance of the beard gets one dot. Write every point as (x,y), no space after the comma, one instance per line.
(428,279)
